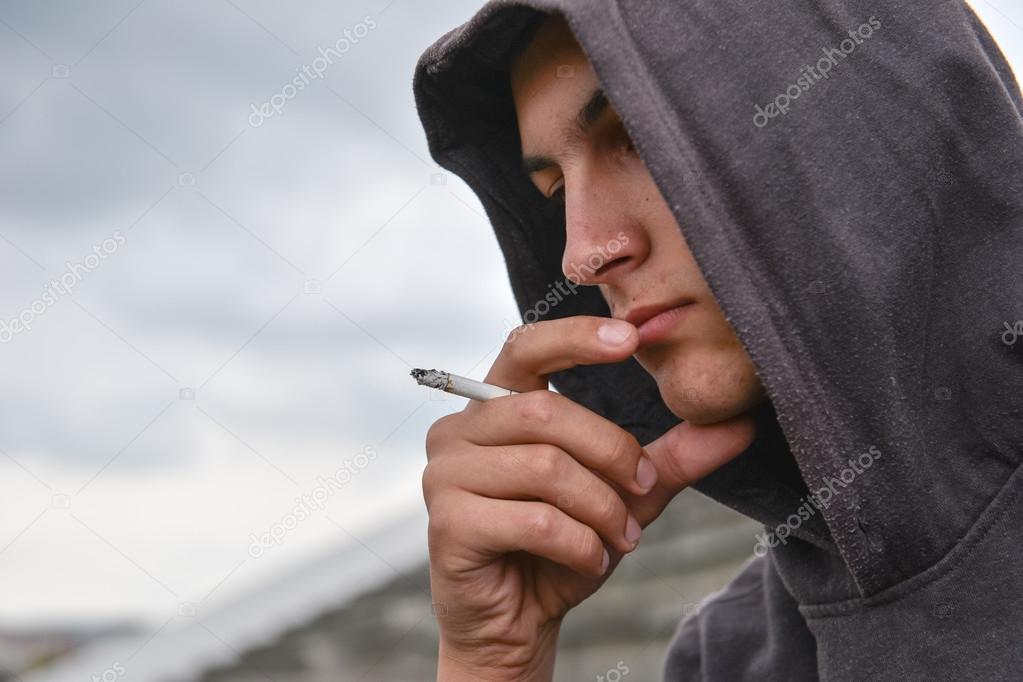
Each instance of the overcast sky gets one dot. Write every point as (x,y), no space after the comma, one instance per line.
(249,292)
(283,270)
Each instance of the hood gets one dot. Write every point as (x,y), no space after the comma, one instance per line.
(861,229)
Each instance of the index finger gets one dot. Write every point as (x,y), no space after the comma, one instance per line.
(532,352)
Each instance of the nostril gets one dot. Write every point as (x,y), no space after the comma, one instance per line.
(593,270)
(606,268)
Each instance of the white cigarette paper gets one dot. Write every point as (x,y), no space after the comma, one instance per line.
(463,386)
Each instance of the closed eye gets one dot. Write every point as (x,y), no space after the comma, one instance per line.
(616,140)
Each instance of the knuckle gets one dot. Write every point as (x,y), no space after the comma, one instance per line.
(516,345)
(611,510)
(430,480)
(545,462)
(626,443)
(543,524)
(515,333)
(624,450)
(511,348)
(589,547)
(675,467)
(538,408)
(439,434)
(523,329)
(442,523)
(582,332)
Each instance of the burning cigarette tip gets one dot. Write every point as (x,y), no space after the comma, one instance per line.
(461,386)
(430,377)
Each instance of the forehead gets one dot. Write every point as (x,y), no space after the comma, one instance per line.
(550,79)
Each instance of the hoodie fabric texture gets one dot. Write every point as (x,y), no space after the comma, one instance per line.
(849,177)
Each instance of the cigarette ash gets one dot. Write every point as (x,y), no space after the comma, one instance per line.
(430,377)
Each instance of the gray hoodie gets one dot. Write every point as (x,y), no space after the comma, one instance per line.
(849,177)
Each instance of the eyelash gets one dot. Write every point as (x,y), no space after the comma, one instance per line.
(558,195)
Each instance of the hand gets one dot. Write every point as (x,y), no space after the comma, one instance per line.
(533,499)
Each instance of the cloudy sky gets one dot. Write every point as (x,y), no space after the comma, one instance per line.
(206,311)
(260,288)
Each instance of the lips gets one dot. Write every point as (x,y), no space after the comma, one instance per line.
(656,322)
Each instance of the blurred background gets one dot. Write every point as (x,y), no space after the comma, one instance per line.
(213,285)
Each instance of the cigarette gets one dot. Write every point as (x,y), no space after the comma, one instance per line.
(452,383)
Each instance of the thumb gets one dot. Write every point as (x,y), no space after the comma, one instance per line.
(685,454)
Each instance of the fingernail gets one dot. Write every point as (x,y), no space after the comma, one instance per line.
(632,530)
(614,332)
(646,474)
(605,562)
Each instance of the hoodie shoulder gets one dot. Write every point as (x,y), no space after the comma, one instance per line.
(750,630)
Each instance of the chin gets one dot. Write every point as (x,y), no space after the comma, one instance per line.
(706,389)
(710,412)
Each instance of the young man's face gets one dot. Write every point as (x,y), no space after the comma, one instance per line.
(620,233)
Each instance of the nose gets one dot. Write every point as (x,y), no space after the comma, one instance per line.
(602,242)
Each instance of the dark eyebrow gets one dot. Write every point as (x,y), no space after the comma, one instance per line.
(595,105)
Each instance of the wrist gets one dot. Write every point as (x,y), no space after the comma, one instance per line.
(482,663)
